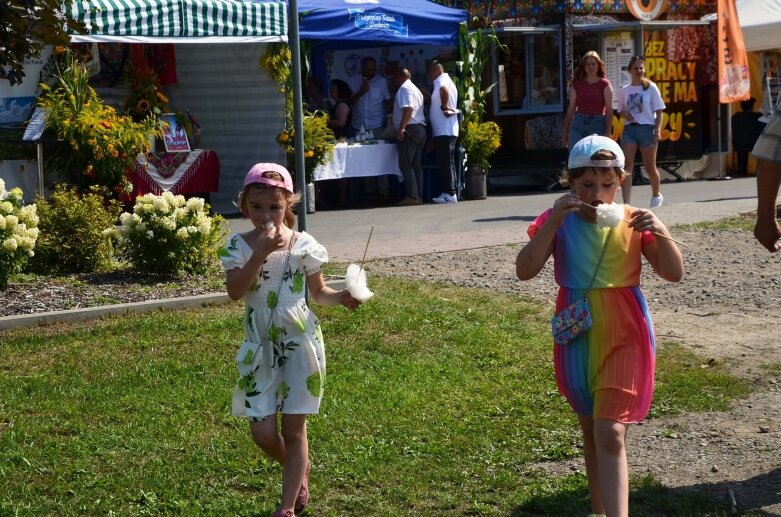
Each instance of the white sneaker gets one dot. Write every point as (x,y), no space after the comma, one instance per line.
(445,198)
(656,201)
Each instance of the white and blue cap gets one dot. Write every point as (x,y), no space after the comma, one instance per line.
(581,153)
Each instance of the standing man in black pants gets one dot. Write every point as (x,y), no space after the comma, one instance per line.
(444,129)
(410,123)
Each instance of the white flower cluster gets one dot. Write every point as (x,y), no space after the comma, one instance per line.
(18,223)
(155,216)
(609,215)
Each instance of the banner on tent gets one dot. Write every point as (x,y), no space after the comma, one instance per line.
(379,21)
(734,84)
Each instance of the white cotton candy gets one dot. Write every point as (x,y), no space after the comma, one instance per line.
(609,215)
(356,283)
(267,226)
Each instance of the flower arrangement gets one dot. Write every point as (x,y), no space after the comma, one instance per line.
(170,235)
(318,143)
(98,144)
(18,232)
(145,99)
(480,140)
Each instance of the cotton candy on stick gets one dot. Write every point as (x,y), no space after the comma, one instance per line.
(356,283)
(611,214)
(356,276)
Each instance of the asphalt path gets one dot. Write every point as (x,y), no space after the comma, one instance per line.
(499,219)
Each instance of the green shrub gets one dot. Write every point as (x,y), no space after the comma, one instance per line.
(18,232)
(73,229)
(168,235)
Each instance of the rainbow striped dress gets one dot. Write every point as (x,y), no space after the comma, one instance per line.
(608,371)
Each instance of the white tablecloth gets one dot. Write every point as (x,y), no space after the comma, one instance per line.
(355,161)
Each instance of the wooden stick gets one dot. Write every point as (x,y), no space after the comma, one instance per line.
(655,233)
(367,246)
(732,503)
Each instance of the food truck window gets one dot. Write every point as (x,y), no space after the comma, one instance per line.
(527,72)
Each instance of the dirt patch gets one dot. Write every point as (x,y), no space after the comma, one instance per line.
(725,309)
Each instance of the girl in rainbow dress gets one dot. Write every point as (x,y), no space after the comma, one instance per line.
(606,373)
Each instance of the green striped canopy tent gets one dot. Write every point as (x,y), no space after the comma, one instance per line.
(179,21)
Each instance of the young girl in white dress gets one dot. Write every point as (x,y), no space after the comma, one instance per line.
(282,361)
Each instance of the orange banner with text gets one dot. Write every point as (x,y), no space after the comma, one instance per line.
(734,83)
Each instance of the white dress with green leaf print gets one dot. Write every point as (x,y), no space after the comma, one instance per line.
(286,374)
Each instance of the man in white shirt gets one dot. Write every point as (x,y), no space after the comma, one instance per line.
(444,129)
(370,100)
(410,124)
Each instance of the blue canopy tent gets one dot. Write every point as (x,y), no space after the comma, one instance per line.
(372,21)
(340,24)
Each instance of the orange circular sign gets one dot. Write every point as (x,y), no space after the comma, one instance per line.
(646,10)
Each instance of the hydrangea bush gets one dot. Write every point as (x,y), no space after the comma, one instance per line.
(18,232)
(167,234)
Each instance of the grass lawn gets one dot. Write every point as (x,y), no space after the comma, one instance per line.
(439,400)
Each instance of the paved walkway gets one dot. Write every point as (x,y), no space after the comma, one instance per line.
(500,219)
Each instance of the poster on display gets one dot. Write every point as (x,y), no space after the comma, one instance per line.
(618,49)
(174,135)
(17,101)
(677,80)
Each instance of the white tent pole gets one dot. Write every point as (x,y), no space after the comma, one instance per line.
(298,112)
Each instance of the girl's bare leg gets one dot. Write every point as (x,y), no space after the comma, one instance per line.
(649,162)
(266,436)
(629,164)
(610,442)
(296,458)
(592,472)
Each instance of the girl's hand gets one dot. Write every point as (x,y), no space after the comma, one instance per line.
(268,241)
(646,221)
(347,300)
(564,205)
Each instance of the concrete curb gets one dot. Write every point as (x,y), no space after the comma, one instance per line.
(91,313)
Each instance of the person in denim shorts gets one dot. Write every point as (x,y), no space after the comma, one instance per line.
(641,106)
(590,108)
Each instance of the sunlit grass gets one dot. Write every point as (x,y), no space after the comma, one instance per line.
(438,401)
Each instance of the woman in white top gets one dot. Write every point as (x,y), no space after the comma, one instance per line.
(641,105)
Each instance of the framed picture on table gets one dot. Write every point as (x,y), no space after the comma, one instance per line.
(174,135)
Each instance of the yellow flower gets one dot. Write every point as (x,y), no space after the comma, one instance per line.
(162,97)
(143,105)
(309,154)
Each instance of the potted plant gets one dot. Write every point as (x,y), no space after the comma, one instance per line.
(480,141)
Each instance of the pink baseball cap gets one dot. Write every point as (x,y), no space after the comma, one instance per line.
(255,175)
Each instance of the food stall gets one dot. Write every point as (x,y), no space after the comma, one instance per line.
(541,43)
